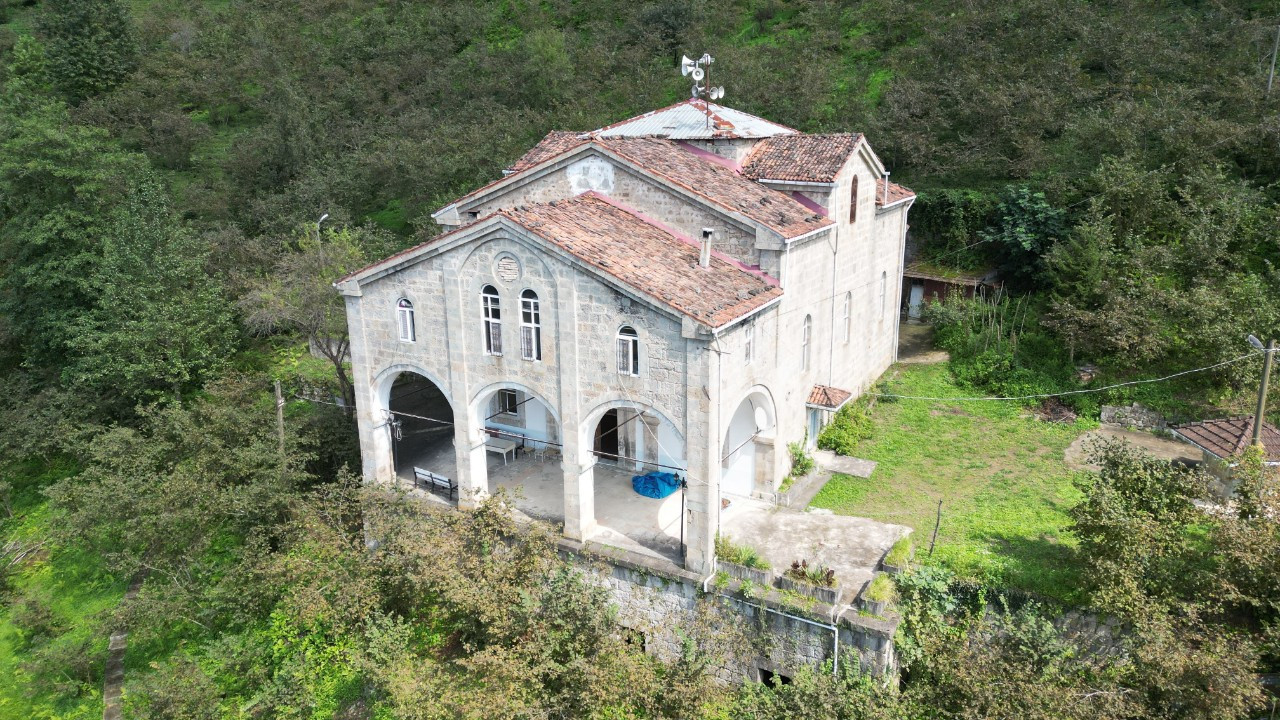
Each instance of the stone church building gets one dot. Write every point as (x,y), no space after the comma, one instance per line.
(685,291)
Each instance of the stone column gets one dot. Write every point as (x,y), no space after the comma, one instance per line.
(702,422)
(468,435)
(576,459)
(649,431)
(766,464)
(375,442)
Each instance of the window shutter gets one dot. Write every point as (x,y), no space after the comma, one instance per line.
(624,357)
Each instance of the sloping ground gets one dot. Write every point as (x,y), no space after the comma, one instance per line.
(1000,474)
(73,589)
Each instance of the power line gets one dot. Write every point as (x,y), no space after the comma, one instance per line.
(1065,392)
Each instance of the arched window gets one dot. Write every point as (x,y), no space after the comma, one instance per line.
(404,318)
(628,351)
(530,326)
(492,320)
(848,311)
(804,343)
(853,199)
(884,292)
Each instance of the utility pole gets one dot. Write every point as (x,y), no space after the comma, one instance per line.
(1262,392)
(1275,48)
(280,421)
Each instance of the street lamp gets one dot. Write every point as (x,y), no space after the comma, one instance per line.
(326,217)
(1255,342)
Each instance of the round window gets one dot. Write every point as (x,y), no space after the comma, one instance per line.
(507,268)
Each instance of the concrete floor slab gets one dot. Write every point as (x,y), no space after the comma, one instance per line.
(624,518)
(851,546)
(1165,448)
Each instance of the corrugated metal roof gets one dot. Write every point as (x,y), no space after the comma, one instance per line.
(688,120)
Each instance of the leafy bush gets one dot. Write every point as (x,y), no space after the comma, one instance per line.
(743,555)
(819,575)
(801,461)
(900,554)
(851,425)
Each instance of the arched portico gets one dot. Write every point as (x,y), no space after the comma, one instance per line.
(748,457)
(415,427)
(617,440)
(516,446)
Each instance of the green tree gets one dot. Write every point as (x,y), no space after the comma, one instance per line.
(158,324)
(1026,226)
(298,295)
(59,185)
(91,44)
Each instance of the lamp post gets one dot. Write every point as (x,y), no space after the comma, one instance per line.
(1267,353)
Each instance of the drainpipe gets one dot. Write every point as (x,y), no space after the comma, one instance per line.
(885,193)
(835,631)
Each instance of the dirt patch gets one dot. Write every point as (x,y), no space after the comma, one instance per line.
(1077,453)
(915,345)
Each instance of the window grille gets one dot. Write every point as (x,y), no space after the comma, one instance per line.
(530,326)
(492,320)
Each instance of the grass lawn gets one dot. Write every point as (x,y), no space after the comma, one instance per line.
(999,473)
(74,588)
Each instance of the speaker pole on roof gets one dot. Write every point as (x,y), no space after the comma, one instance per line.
(700,70)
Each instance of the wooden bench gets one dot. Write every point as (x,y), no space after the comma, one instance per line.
(435,482)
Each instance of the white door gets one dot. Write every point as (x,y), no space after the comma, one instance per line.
(917,299)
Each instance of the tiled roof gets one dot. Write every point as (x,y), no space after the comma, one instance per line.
(1229,437)
(720,185)
(896,192)
(828,397)
(648,257)
(803,158)
(688,120)
(556,142)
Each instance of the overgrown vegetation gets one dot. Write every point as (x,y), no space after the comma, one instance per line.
(900,553)
(818,575)
(743,555)
(851,425)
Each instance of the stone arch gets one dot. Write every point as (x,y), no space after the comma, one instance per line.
(748,456)
(403,441)
(485,393)
(654,440)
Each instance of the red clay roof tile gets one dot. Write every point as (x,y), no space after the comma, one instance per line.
(828,397)
(801,158)
(1228,437)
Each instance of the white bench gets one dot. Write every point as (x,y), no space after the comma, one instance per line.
(435,482)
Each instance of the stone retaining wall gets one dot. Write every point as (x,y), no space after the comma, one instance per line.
(665,603)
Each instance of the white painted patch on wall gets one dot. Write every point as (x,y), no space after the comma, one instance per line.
(590,173)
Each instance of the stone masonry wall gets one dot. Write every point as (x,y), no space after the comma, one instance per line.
(663,607)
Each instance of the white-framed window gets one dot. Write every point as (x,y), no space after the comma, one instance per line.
(884,290)
(804,342)
(530,326)
(508,402)
(628,351)
(848,311)
(404,318)
(749,343)
(492,320)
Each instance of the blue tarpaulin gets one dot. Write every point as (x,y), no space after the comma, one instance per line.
(656,484)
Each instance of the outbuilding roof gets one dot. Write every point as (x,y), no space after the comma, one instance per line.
(694,119)
(827,397)
(897,193)
(1228,437)
(554,143)
(800,158)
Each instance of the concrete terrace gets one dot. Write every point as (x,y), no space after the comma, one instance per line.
(629,521)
